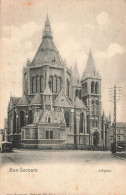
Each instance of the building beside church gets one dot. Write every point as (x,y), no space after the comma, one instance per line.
(58,109)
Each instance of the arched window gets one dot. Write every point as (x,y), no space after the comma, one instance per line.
(67,118)
(41,84)
(22,136)
(37,84)
(49,119)
(68,88)
(55,84)
(47,134)
(22,119)
(80,94)
(30,117)
(33,85)
(96,88)
(81,122)
(92,87)
(51,83)
(85,88)
(51,134)
(58,84)
(88,124)
(76,92)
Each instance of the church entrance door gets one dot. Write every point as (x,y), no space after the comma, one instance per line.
(95,138)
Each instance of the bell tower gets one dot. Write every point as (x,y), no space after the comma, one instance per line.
(91,96)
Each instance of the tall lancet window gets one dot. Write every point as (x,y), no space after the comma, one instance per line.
(96,88)
(51,83)
(37,84)
(81,122)
(68,88)
(58,84)
(55,84)
(33,85)
(92,87)
(66,115)
(85,88)
(41,84)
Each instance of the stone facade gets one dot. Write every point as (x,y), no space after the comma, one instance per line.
(58,110)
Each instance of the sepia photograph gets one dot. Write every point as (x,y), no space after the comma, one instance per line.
(63,97)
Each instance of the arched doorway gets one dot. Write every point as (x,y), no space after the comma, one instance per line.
(95,138)
(21,119)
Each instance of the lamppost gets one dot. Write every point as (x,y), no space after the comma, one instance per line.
(17,123)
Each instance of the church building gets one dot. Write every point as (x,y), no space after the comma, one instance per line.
(58,109)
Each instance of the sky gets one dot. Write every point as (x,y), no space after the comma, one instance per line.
(77,26)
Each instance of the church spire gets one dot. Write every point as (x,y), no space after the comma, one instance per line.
(90,70)
(76,76)
(47,30)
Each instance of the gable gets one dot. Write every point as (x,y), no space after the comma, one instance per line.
(62,100)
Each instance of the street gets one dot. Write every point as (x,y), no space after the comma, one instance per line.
(61,172)
(61,156)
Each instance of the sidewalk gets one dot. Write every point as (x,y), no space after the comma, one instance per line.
(121,155)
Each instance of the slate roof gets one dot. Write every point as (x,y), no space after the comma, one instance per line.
(23,101)
(90,70)
(47,51)
(79,104)
(37,100)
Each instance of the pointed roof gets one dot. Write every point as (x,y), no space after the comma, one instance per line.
(47,90)
(47,31)
(76,76)
(47,49)
(37,100)
(79,104)
(23,101)
(62,100)
(13,101)
(90,70)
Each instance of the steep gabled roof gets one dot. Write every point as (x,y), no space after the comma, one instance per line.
(23,101)
(47,51)
(62,100)
(37,100)
(90,70)
(79,104)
